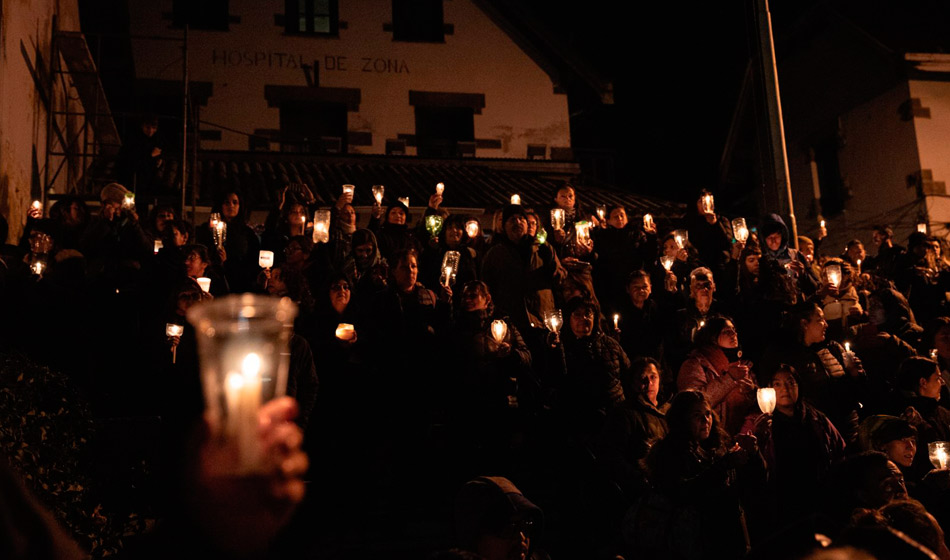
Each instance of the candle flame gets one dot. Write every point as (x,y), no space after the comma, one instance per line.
(251,366)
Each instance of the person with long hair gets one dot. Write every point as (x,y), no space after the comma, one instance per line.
(239,255)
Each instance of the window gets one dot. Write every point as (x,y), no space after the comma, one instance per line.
(418,20)
(833,191)
(312,17)
(440,129)
(209,15)
(312,127)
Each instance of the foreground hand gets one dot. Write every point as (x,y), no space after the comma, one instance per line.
(738,371)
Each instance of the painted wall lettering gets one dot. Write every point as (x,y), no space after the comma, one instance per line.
(293,61)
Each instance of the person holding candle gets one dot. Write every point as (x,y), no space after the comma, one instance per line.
(884,263)
(686,321)
(699,476)
(897,438)
(715,368)
(710,233)
(644,323)
(674,280)
(919,383)
(114,243)
(290,222)
(363,259)
(564,199)
(394,235)
(238,256)
(198,265)
(622,247)
(451,238)
(799,444)
(838,297)
(922,278)
(774,239)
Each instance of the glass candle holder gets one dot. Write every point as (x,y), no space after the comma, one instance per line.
(345,331)
(553,320)
(404,200)
(602,212)
(321,226)
(582,229)
(171,329)
(681,236)
(766,398)
(541,236)
(378,191)
(739,230)
(439,188)
(472,228)
(833,273)
(648,222)
(499,329)
(219,231)
(243,348)
(939,453)
(265,259)
(450,267)
(128,202)
(709,205)
(434,224)
(38,265)
(516,199)
(40,243)
(667,262)
(557,218)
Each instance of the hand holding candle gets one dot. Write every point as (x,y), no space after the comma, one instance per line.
(833,273)
(404,200)
(348,193)
(174,331)
(36,210)
(681,237)
(557,219)
(708,204)
(648,224)
(739,230)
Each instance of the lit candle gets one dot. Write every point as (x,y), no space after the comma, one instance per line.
(553,320)
(617,321)
(739,230)
(702,323)
(321,226)
(171,329)
(557,218)
(821,223)
(434,224)
(265,259)
(37,205)
(859,263)
(934,354)
(471,228)
(648,222)
(439,188)
(243,400)
(939,452)
(450,263)
(583,232)
(766,398)
(378,191)
(922,227)
(602,212)
(498,330)
(833,272)
(157,246)
(516,199)
(404,200)
(128,202)
(205,284)
(708,204)
(220,233)
(348,191)
(667,262)
(681,237)
(345,331)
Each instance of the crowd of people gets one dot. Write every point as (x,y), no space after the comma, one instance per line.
(609,366)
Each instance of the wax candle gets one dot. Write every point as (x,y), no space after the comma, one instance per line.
(557,218)
(205,284)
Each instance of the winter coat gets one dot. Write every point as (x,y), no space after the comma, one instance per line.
(705,370)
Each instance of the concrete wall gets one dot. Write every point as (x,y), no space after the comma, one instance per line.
(25,33)
(932,125)
(521,107)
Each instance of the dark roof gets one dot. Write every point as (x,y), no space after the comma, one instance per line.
(477,183)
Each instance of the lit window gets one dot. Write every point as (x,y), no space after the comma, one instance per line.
(312,17)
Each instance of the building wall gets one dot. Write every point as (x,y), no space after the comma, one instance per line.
(932,125)
(521,106)
(25,33)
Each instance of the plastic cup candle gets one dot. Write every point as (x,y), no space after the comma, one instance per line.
(921,228)
(557,218)
(471,228)
(439,188)
(321,226)
(681,237)
(404,200)
(205,284)
(348,191)
(516,199)
(378,191)
(648,222)
(498,330)
(37,205)
(265,259)
(833,272)
(541,236)
(667,262)
(345,331)
(709,206)
(739,230)
(244,354)
(157,246)
(766,398)
(450,267)
(939,453)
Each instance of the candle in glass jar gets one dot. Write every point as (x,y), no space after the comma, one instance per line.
(439,188)
(205,284)
(939,452)
(348,191)
(553,320)
(833,272)
(450,263)
(471,228)
(128,202)
(498,330)
(321,226)
(265,259)
(708,204)
(345,331)
(557,218)
(681,237)
(648,222)
(242,396)
(516,199)
(766,398)
(583,232)
(739,230)
(602,212)
(38,267)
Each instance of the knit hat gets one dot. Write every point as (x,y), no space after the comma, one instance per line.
(113,192)
(512,210)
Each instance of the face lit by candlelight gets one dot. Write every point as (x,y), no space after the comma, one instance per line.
(582,322)
(297,215)
(856,252)
(617,218)
(774,241)
(230,207)
(194,266)
(532,221)
(396,216)
(930,387)
(340,295)
(453,235)
(650,383)
(813,330)
(901,451)
(701,292)
(406,272)
(565,198)
(639,291)
(752,264)
(700,422)
(110,210)
(516,227)
(348,215)
(475,299)
(786,390)
(728,338)
(276,285)
(671,249)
